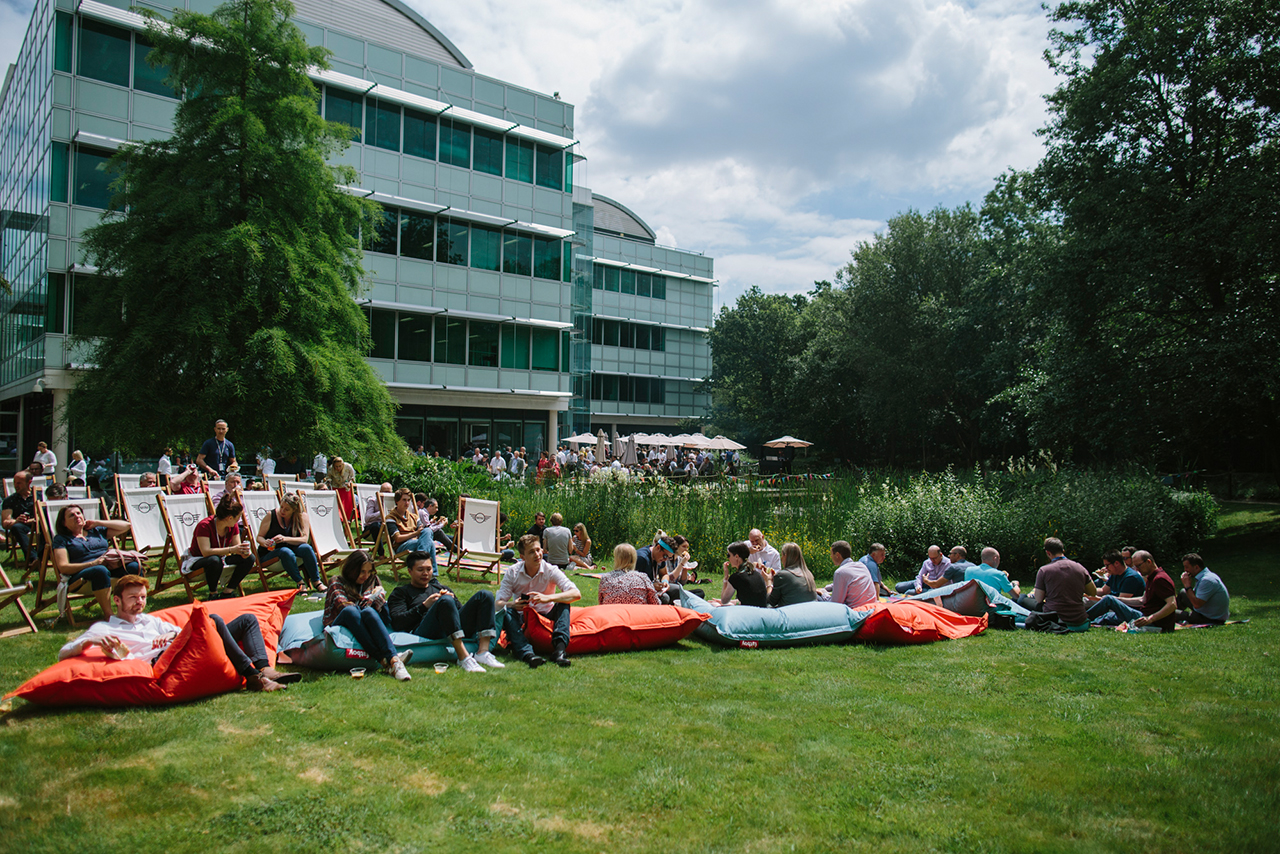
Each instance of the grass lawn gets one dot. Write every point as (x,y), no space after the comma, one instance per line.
(1010,741)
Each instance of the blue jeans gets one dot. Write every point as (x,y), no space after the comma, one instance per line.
(1112,605)
(366,625)
(514,627)
(289,558)
(424,543)
(99,577)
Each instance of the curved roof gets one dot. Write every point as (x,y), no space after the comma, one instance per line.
(426,25)
(619,219)
(391,23)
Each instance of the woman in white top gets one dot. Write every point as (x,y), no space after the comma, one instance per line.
(78,467)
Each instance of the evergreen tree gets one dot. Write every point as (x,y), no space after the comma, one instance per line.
(230,257)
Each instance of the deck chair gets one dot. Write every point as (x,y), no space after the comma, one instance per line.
(279,482)
(364,491)
(141,508)
(387,503)
(330,536)
(80,492)
(11,594)
(181,515)
(258,504)
(477,540)
(36,483)
(48,579)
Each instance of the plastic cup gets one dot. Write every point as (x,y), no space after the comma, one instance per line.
(357,673)
(441,667)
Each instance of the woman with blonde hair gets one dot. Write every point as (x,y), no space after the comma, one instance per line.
(580,547)
(793,583)
(285,533)
(625,585)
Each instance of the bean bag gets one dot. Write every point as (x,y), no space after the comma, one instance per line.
(912,621)
(973,598)
(616,628)
(306,642)
(193,666)
(790,625)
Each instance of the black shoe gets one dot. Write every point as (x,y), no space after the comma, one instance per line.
(534,661)
(560,658)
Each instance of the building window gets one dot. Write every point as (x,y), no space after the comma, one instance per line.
(455,143)
(659,287)
(517,254)
(515,346)
(60,175)
(451,242)
(487,152)
(53,306)
(381,237)
(344,109)
(616,333)
(417,235)
(606,278)
(92,182)
(644,284)
(146,78)
(611,276)
(628,281)
(382,125)
(382,329)
(482,344)
(104,52)
(62,29)
(451,341)
(519,160)
(627,389)
(419,134)
(549,167)
(486,247)
(415,338)
(546,258)
(546,349)
(597,276)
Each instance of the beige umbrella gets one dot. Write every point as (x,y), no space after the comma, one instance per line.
(788,442)
(720,443)
(601,444)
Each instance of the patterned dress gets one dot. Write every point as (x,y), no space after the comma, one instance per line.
(627,587)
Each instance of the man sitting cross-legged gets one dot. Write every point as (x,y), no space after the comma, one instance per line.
(1061,585)
(1155,608)
(130,633)
(426,608)
(1203,593)
(932,573)
(531,582)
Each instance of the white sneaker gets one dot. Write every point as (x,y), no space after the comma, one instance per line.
(398,670)
(486,658)
(470,665)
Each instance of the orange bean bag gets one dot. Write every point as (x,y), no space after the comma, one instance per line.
(912,621)
(193,666)
(617,628)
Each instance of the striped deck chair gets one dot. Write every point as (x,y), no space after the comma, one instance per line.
(477,541)
(330,535)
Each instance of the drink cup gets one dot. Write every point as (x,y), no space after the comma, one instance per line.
(357,673)
(441,667)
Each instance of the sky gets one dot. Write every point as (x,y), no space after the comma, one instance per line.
(772,135)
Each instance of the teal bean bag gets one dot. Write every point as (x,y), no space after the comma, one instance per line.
(307,643)
(791,625)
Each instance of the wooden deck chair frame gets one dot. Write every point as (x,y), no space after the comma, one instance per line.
(140,507)
(363,493)
(387,503)
(38,482)
(330,534)
(476,538)
(181,515)
(11,594)
(47,578)
(257,504)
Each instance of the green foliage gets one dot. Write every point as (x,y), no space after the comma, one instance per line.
(435,476)
(230,262)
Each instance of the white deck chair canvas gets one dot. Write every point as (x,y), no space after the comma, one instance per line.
(80,492)
(50,589)
(36,483)
(181,515)
(141,508)
(258,505)
(477,541)
(330,536)
(364,491)
(279,482)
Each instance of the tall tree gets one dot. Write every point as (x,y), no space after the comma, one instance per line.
(230,258)
(1163,163)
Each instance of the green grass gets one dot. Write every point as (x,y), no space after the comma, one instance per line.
(1007,742)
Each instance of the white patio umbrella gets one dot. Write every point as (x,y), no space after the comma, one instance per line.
(697,440)
(601,444)
(788,442)
(581,439)
(721,443)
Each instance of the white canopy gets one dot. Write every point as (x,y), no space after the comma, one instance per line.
(720,443)
(788,442)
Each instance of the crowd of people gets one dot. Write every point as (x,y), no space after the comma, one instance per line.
(567,461)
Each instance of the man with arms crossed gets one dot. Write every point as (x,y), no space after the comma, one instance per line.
(531,582)
(130,633)
(1204,592)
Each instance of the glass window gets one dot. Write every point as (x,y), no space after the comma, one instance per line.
(419,134)
(611,333)
(455,143)
(642,336)
(566,251)
(104,52)
(53,307)
(597,276)
(644,284)
(60,176)
(451,242)
(145,77)
(382,125)
(417,235)
(382,329)
(62,42)
(627,335)
(597,331)
(628,281)
(549,167)
(659,287)
(515,346)
(640,390)
(451,341)
(517,253)
(343,108)
(415,338)
(487,151)
(610,387)
(611,278)
(92,181)
(519,160)
(482,347)
(381,237)
(657,391)
(564,350)
(656,336)
(546,349)
(568,172)
(486,247)
(546,258)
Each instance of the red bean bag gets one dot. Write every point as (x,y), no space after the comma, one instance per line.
(912,621)
(616,628)
(193,666)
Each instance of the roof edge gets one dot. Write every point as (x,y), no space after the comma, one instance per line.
(417,18)
(620,206)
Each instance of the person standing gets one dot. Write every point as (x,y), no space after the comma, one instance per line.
(47,459)
(556,539)
(164,466)
(341,478)
(216,454)
(78,468)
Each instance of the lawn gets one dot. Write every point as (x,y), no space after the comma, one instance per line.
(1010,741)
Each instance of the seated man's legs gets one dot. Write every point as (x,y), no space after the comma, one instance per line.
(369,630)
(906,587)
(243,630)
(513,625)
(21,534)
(477,617)
(1112,605)
(424,543)
(1194,616)
(443,539)
(559,618)
(441,620)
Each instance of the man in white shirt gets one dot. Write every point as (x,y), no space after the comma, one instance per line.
(320,466)
(497,466)
(164,467)
(129,633)
(531,582)
(46,459)
(762,553)
(266,462)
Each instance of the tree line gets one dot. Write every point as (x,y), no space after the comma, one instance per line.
(1117,303)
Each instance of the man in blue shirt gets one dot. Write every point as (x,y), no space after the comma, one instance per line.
(959,563)
(216,454)
(1121,579)
(1204,592)
(989,573)
(873,560)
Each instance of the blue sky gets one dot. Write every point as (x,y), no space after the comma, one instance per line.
(773,135)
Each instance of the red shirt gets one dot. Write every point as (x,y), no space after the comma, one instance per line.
(208,528)
(1159,588)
